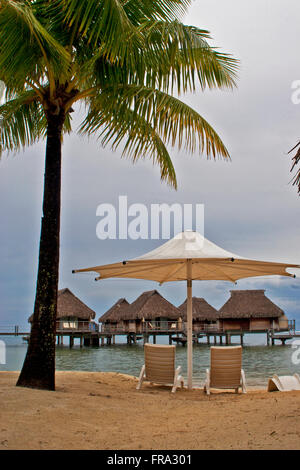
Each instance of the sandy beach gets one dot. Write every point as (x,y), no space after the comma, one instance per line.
(91,410)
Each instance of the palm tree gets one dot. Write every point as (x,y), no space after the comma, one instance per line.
(296,160)
(123,59)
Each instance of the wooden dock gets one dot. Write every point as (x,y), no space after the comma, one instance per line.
(178,336)
(13,331)
(283,337)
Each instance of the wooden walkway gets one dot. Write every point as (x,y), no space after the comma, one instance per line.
(108,337)
(283,337)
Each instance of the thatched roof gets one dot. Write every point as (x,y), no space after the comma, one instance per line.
(249,303)
(115,312)
(149,306)
(202,310)
(68,305)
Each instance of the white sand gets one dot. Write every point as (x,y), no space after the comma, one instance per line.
(91,410)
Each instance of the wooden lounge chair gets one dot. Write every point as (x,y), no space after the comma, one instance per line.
(225,369)
(284,383)
(159,367)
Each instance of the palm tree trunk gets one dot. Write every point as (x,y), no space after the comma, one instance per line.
(39,365)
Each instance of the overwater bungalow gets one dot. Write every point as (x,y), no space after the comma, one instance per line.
(113,319)
(205,316)
(72,313)
(149,312)
(251,310)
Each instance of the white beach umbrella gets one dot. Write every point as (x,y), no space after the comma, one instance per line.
(187,257)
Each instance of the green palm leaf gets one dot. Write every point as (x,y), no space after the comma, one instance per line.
(2,89)
(102,24)
(179,53)
(166,10)
(175,121)
(27,48)
(22,122)
(139,138)
(174,55)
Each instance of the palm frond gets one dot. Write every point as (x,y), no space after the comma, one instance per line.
(22,122)
(176,122)
(295,162)
(2,89)
(27,49)
(166,10)
(138,136)
(102,23)
(123,57)
(179,53)
(174,55)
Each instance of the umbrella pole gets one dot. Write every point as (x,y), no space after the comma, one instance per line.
(189,324)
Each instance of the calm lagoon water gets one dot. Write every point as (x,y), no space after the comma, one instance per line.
(259,361)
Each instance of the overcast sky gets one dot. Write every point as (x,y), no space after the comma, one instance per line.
(250,206)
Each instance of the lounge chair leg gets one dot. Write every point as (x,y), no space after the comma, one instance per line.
(177,379)
(141,378)
(207,382)
(244,390)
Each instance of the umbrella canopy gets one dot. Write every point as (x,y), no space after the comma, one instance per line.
(186,257)
(208,262)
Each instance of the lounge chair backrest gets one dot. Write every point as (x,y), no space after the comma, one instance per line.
(225,366)
(284,383)
(159,363)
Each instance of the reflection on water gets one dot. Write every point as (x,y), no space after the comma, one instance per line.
(259,361)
